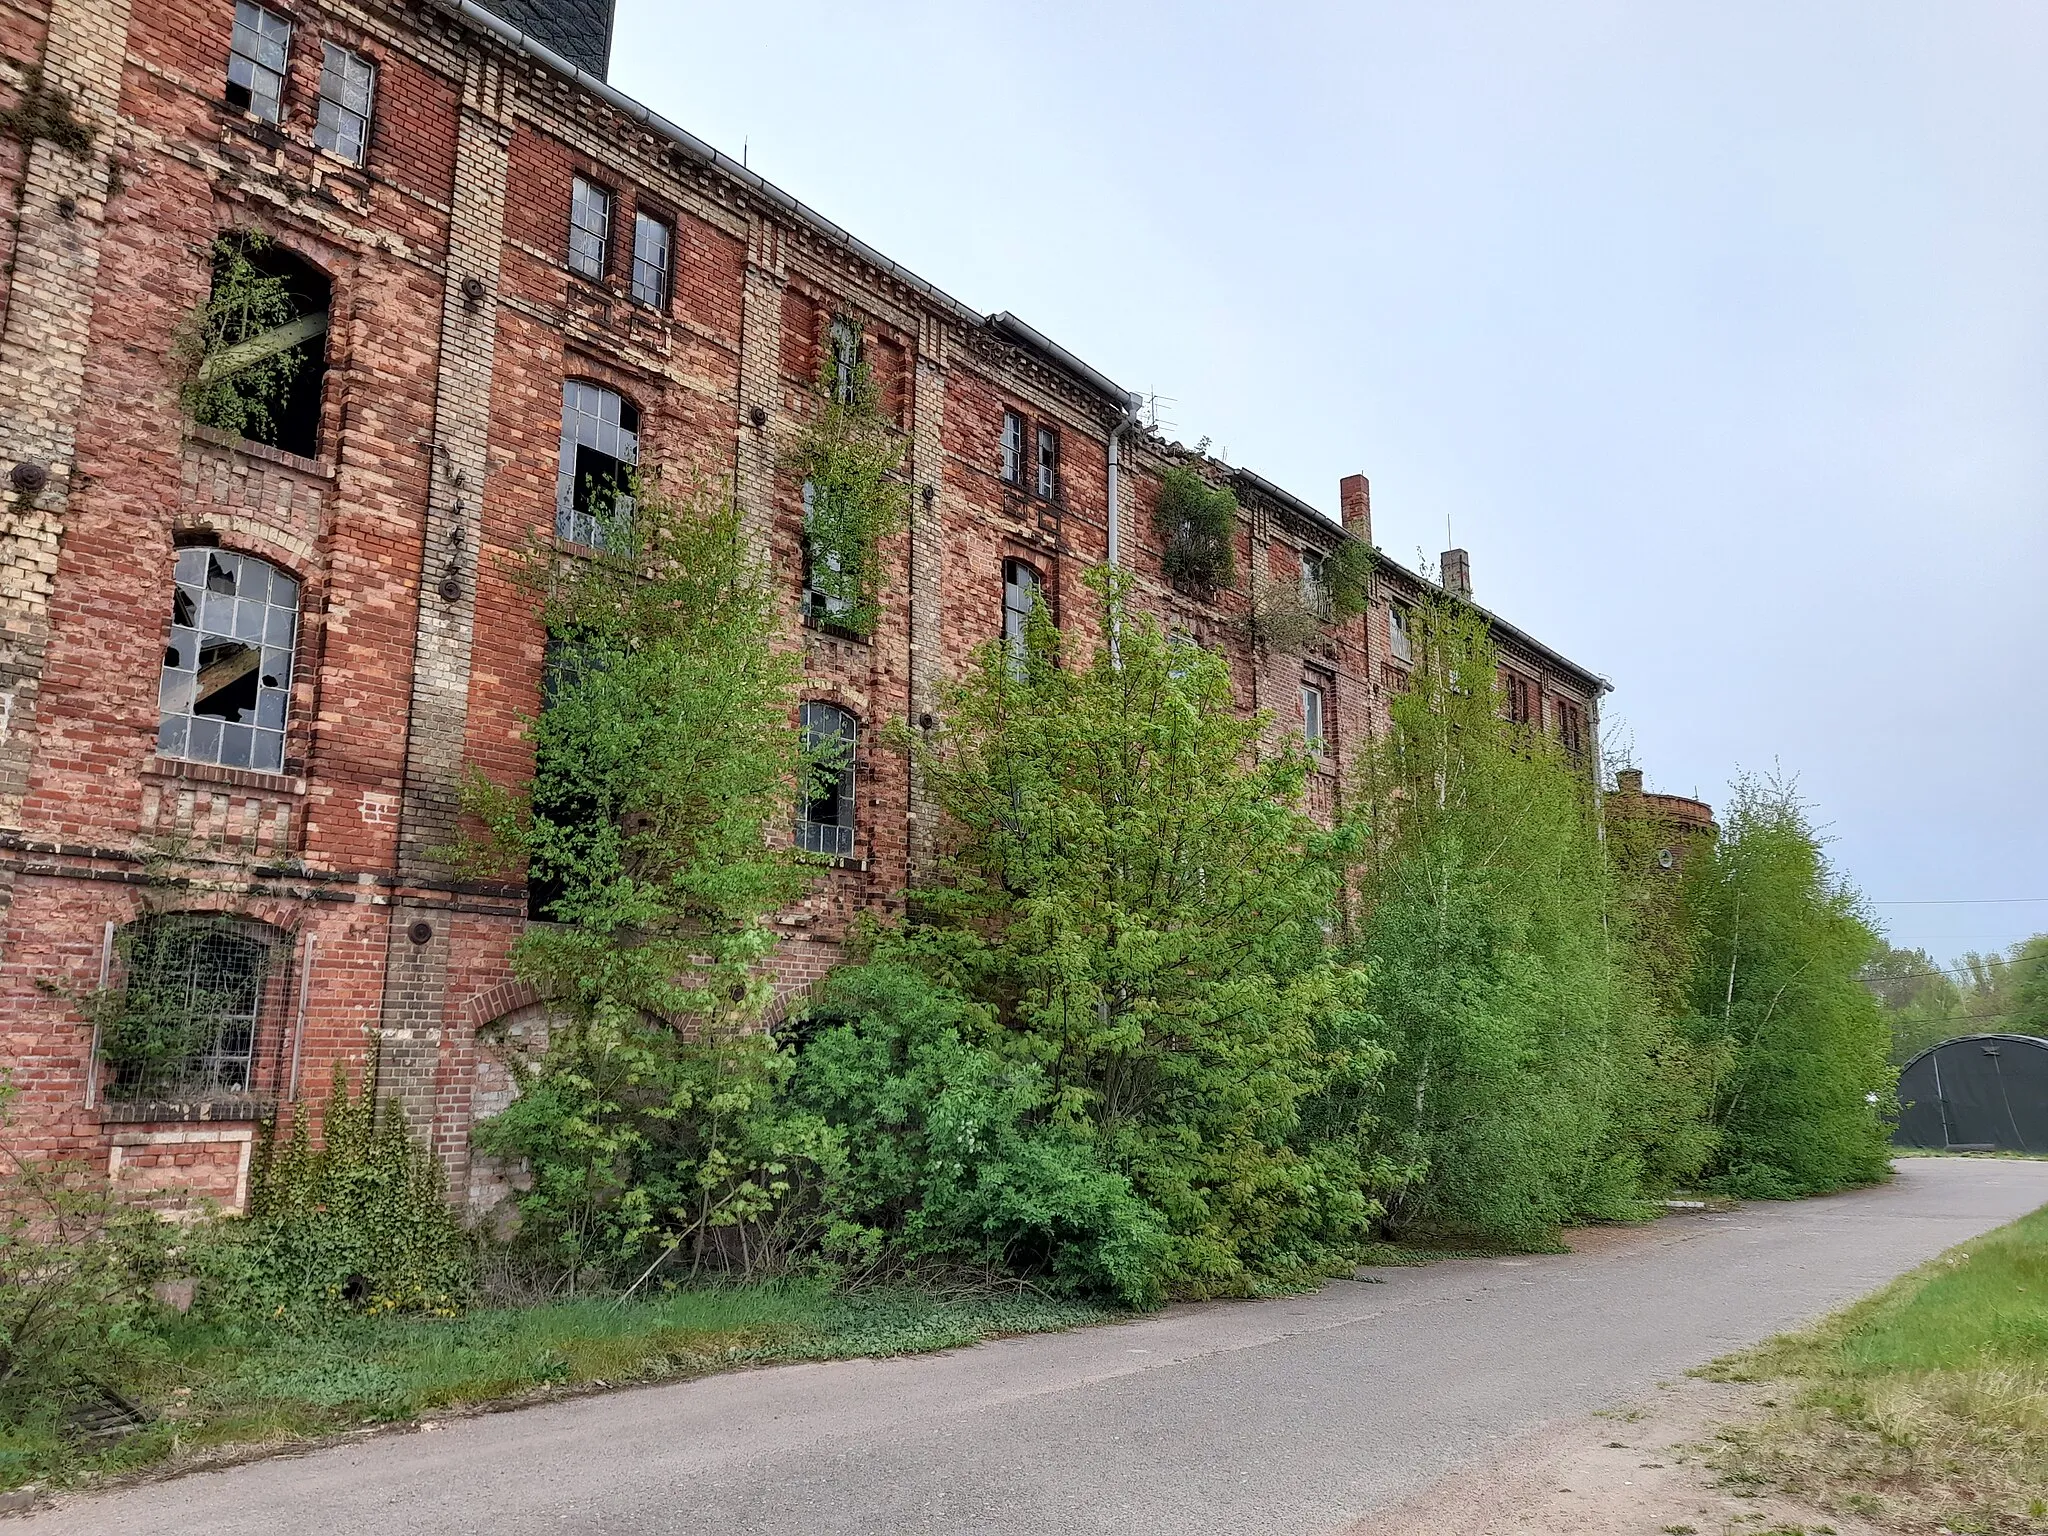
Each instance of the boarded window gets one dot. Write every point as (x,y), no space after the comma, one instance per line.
(600,447)
(227,672)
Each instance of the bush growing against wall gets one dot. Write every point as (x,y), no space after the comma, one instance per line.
(1197,526)
(849,456)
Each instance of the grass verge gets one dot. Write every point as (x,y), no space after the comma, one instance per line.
(213,1386)
(1923,1408)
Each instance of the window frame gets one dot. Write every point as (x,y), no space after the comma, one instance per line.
(1010,444)
(1046,468)
(664,284)
(1400,640)
(1315,588)
(245,1039)
(251,623)
(582,191)
(573,522)
(1017,621)
(1315,723)
(845,344)
(836,839)
(366,117)
(282,70)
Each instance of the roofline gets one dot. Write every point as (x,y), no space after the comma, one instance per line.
(1046,347)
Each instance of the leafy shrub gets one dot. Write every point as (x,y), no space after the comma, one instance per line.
(1197,524)
(360,1222)
(849,455)
(244,302)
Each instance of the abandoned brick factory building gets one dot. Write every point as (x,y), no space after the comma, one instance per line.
(243,670)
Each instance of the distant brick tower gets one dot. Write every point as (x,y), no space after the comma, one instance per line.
(579,30)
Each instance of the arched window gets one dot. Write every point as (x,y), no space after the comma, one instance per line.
(188,1019)
(824,821)
(227,671)
(600,447)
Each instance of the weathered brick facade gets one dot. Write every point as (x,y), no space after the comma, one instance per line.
(453,321)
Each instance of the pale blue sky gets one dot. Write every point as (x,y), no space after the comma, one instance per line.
(1717,331)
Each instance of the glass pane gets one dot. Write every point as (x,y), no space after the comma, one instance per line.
(174,693)
(268,753)
(183,651)
(170,737)
(234,746)
(191,566)
(277,628)
(277,669)
(249,620)
(203,743)
(269,707)
(284,590)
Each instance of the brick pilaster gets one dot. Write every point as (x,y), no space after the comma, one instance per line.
(927,570)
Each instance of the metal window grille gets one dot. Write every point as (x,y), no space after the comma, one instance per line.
(257,53)
(825,818)
(651,242)
(1048,463)
(227,671)
(189,1020)
(348,84)
(1013,448)
(845,342)
(600,447)
(590,228)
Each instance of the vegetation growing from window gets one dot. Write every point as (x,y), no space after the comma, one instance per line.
(1533,1080)
(1282,620)
(237,376)
(849,455)
(1781,940)
(1347,579)
(180,1020)
(664,757)
(1113,1051)
(1197,526)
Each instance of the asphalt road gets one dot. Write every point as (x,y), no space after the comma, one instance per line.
(1287,1416)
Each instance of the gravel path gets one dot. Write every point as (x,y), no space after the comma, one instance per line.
(1293,1416)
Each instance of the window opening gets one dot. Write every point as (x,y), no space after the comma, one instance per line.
(186,1022)
(1315,585)
(1312,716)
(257,53)
(825,818)
(1398,641)
(600,447)
(1048,463)
(1021,587)
(1013,448)
(819,603)
(260,348)
(227,672)
(845,344)
(652,238)
(1521,700)
(1571,727)
(348,82)
(590,228)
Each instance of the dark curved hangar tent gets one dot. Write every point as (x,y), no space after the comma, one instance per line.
(1982,1093)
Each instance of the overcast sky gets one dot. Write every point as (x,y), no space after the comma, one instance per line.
(1715,331)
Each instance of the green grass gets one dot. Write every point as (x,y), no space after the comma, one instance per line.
(1924,1406)
(214,1386)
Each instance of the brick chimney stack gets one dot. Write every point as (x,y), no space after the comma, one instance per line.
(1354,496)
(1458,572)
(1628,781)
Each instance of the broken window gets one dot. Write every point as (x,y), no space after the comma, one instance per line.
(825,818)
(261,345)
(820,565)
(227,672)
(1048,463)
(185,1022)
(1021,587)
(1312,715)
(257,52)
(845,344)
(600,446)
(1315,586)
(590,228)
(1398,642)
(652,238)
(1013,448)
(348,81)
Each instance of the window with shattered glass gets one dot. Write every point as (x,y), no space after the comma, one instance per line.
(227,672)
(825,815)
(600,447)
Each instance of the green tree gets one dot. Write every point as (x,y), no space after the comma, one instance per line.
(1782,941)
(665,769)
(1534,1079)
(1130,927)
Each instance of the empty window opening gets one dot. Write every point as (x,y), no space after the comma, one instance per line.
(1399,645)
(1312,715)
(1048,463)
(348,84)
(652,238)
(1022,586)
(590,228)
(820,567)
(227,672)
(258,51)
(844,341)
(1315,586)
(1013,448)
(600,447)
(825,817)
(187,1021)
(263,345)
